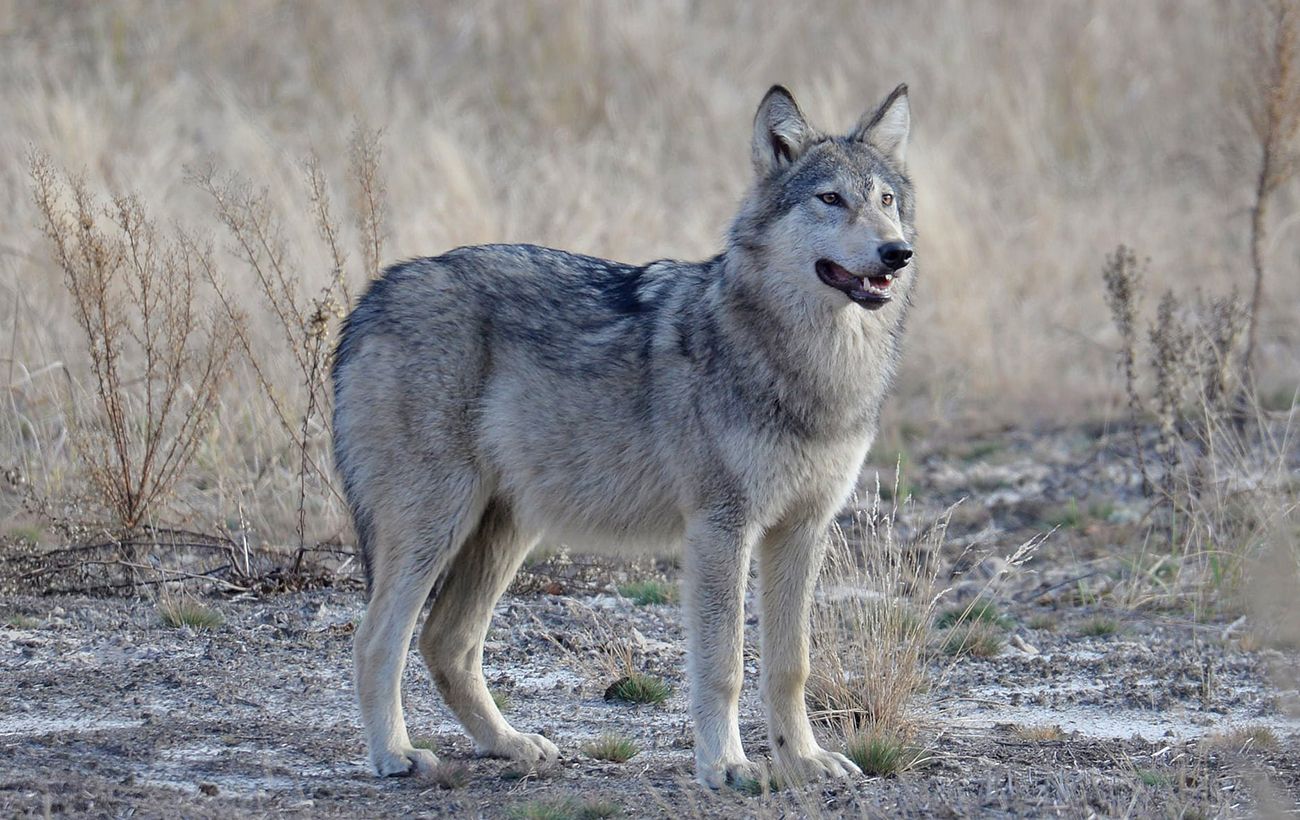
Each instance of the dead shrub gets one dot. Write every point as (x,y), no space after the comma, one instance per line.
(1219,487)
(157,361)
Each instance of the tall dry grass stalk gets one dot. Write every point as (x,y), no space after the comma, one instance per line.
(875,654)
(157,359)
(1222,490)
(1123,278)
(307,325)
(871,623)
(1272,100)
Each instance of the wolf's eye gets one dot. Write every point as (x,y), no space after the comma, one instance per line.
(886,199)
(830,198)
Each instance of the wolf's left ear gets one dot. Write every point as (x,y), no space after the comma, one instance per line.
(780,132)
(887,127)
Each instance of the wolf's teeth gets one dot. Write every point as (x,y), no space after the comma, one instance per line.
(889,277)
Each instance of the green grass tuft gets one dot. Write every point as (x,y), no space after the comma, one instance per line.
(639,687)
(881,753)
(612,747)
(648,591)
(1067,516)
(979,639)
(1099,627)
(24,535)
(20,621)
(568,808)
(1043,621)
(1151,777)
(979,450)
(189,613)
(501,699)
(756,787)
(981,610)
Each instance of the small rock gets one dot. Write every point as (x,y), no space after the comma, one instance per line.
(637,640)
(209,789)
(1023,645)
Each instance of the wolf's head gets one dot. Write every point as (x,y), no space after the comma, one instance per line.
(829,219)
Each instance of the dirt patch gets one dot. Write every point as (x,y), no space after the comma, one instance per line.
(102,708)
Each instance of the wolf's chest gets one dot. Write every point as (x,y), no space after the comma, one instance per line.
(782,475)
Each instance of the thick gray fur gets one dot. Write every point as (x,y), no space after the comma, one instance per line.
(500,395)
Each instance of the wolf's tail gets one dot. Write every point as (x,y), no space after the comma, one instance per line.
(355,327)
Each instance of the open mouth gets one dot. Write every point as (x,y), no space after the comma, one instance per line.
(871,292)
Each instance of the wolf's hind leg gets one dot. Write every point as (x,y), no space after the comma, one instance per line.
(412,548)
(452,638)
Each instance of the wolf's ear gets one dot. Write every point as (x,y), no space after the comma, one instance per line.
(780,132)
(886,128)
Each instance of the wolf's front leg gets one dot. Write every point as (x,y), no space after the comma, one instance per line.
(789,561)
(717,566)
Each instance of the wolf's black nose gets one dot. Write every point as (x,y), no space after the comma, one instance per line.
(895,254)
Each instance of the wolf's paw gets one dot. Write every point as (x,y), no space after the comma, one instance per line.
(813,764)
(522,748)
(405,763)
(728,771)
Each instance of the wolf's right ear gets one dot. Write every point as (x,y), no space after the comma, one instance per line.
(780,132)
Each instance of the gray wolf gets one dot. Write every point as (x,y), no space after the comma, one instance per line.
(495,396)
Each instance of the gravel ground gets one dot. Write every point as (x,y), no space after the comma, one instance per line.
(105,711)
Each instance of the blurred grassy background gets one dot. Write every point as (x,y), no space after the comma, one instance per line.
(1045,134)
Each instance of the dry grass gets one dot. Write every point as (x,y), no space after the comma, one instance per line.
(186,612)
(1036,145)
(650,591)
(1243,738)
(870,646)
(157,364)
(612,747)
(1219,474)
(1038,734)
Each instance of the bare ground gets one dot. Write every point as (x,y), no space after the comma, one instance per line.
(105,711)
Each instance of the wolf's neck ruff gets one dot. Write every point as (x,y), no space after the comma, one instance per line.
(817,366)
